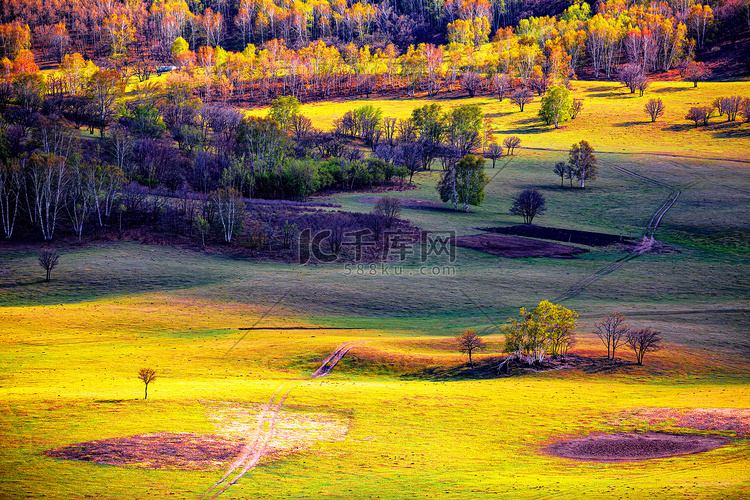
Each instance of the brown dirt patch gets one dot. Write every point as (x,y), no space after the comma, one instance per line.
(565,235)
(515,246)
(634,447)
(177,450)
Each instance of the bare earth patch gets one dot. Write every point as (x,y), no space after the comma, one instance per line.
(179,450)
(293,431)
(516,246)
(633,447)
(235,424)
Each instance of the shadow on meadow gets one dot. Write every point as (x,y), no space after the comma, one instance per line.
(669,90)
(631,124)
(731,130)
(490,367)
(532,125)
(679,127)
(606,88)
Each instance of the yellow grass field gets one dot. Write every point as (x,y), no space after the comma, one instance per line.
(68,375)
(612,118)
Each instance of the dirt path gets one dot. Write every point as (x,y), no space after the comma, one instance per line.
(648,235)
(254,451)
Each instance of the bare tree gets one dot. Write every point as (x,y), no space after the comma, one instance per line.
(511,143)
(629,75)
(468,342)
(389,208)
(501,85)
(11,187)
(576,108)
(745,106)
(654,108)
(301,126)
(642,84)
(643,341)
(522,97)
(561,169)
(48,260)
(612,331)
(731,106)
(147,375)
(696,72)
(700,114)
(470,82)
(493,152)
(529,203)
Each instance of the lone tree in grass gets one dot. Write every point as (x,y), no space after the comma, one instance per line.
(522,97)
(696,72)
(643,341)
(556,105)
(654,108)
(468,342)
(48,261)
(493,152)
(147,375)
(612,331)
(389,208)
(583,162)
(528,204)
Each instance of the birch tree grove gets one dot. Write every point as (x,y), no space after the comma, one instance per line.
(11,186)
(229,209)
(547,330)
(48,182)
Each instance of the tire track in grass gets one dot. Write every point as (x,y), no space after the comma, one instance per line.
(253,452)
(648,235)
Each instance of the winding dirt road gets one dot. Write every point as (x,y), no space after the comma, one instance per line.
(648,235)
(254,451)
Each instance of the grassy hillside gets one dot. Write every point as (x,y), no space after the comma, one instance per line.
(418,423)
(612,118)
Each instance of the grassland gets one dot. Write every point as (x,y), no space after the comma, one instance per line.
(612,118)
(70,349)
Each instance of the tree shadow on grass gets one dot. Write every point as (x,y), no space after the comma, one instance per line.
(487,368)
(666,90)
(604,88)
(611,95)
(679,127)
(533,125)
(500,114)
(630,124)
(21,284)
(731,130)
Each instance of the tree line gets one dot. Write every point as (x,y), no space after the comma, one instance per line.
(534,53)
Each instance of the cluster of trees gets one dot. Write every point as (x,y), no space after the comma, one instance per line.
(613,332)
(317,49)
(581,164)
(731,106)
(648,33)
(549,329)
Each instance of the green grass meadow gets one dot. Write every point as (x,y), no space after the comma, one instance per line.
(70,349)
